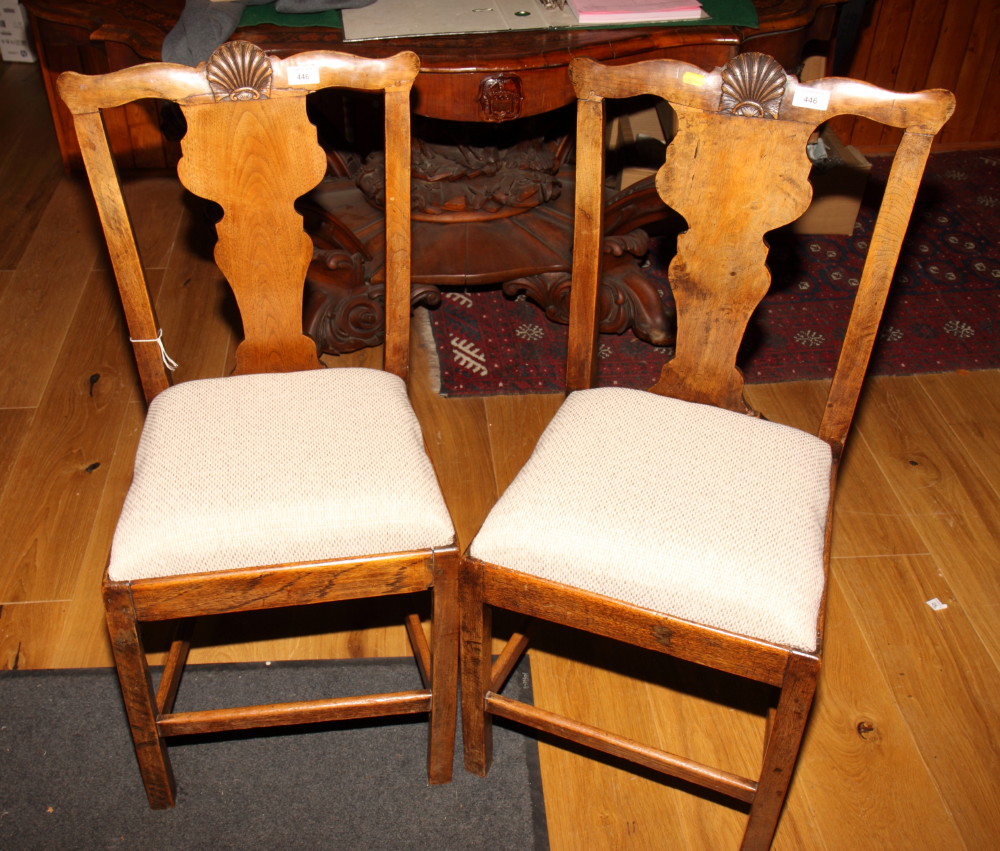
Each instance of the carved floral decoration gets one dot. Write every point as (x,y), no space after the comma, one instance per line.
(472,183)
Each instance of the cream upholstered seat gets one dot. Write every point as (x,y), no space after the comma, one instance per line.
(677,507)
(674,519)
(278,468)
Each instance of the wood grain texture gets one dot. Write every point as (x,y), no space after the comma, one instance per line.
(515,424)
(919,458)
(223,142)
(14,424)
(735,170)
(926,664)
(251,150)
(862,782)
(909,45)
(31,172)
(66,452)
(40,299)
(30,634)
(882,792)
(467,480)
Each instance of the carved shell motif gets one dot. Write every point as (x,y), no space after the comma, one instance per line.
(752,85)
(238,70)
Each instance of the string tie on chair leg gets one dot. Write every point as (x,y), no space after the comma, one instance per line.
(168,361)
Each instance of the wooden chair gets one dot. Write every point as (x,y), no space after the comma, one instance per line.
(678,520)
(284,484)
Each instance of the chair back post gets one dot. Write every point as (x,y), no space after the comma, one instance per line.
(397,228)
(140,315)
(581,362)
(873,289)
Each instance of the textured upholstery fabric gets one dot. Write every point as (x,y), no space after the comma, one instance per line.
(681,508)
(266,469)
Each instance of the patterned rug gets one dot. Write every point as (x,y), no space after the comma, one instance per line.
(943,311)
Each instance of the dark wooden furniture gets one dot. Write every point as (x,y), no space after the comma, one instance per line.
(95,36)
(491,164)
(679,520)
(222,516)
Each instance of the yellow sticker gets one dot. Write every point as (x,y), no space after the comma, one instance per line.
(692,79)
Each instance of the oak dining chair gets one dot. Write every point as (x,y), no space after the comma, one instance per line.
(679,520)
(283,484)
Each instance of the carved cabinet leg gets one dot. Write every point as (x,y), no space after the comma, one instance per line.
(629,299)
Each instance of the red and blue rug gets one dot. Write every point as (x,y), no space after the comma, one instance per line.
(943,311)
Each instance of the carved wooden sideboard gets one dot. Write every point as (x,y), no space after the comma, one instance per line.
(493,193)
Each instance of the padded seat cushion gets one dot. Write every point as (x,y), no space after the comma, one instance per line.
(682,508)
(268,469)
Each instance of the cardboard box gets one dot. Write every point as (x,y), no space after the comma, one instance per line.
(838,178)
(13,16)
(15,47)
(15,37)
(637,142)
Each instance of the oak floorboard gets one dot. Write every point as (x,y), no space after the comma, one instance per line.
(832,731)
(14,423)
(195,309)
(357,629)
(59,474)
(861,782)
(943,680)
(30,166)
(591,802)
(717,720)
(844,780)
(938,479)
(31,634)
(85,642)
(162,213)
(515,424)
(868,518)
(795,403)
(41,299)
(457,438)
(969,404)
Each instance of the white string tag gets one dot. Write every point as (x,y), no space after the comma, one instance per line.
(168,361)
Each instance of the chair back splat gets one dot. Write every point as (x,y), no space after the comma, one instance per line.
(678,520)
(284,484)
(250,148)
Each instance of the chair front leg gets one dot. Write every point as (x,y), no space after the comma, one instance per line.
(476,663)
(444,669)
(138,696)
(784,737)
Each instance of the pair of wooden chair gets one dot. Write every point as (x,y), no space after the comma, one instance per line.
(675,520)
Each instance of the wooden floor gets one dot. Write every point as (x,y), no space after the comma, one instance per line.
(902,750)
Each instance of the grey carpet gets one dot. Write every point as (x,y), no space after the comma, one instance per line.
(68,777)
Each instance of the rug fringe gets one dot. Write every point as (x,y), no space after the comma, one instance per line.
(424,336)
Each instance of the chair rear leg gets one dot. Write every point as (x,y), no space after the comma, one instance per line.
(139,697)
(444,669)
(784,737)
(476,663)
